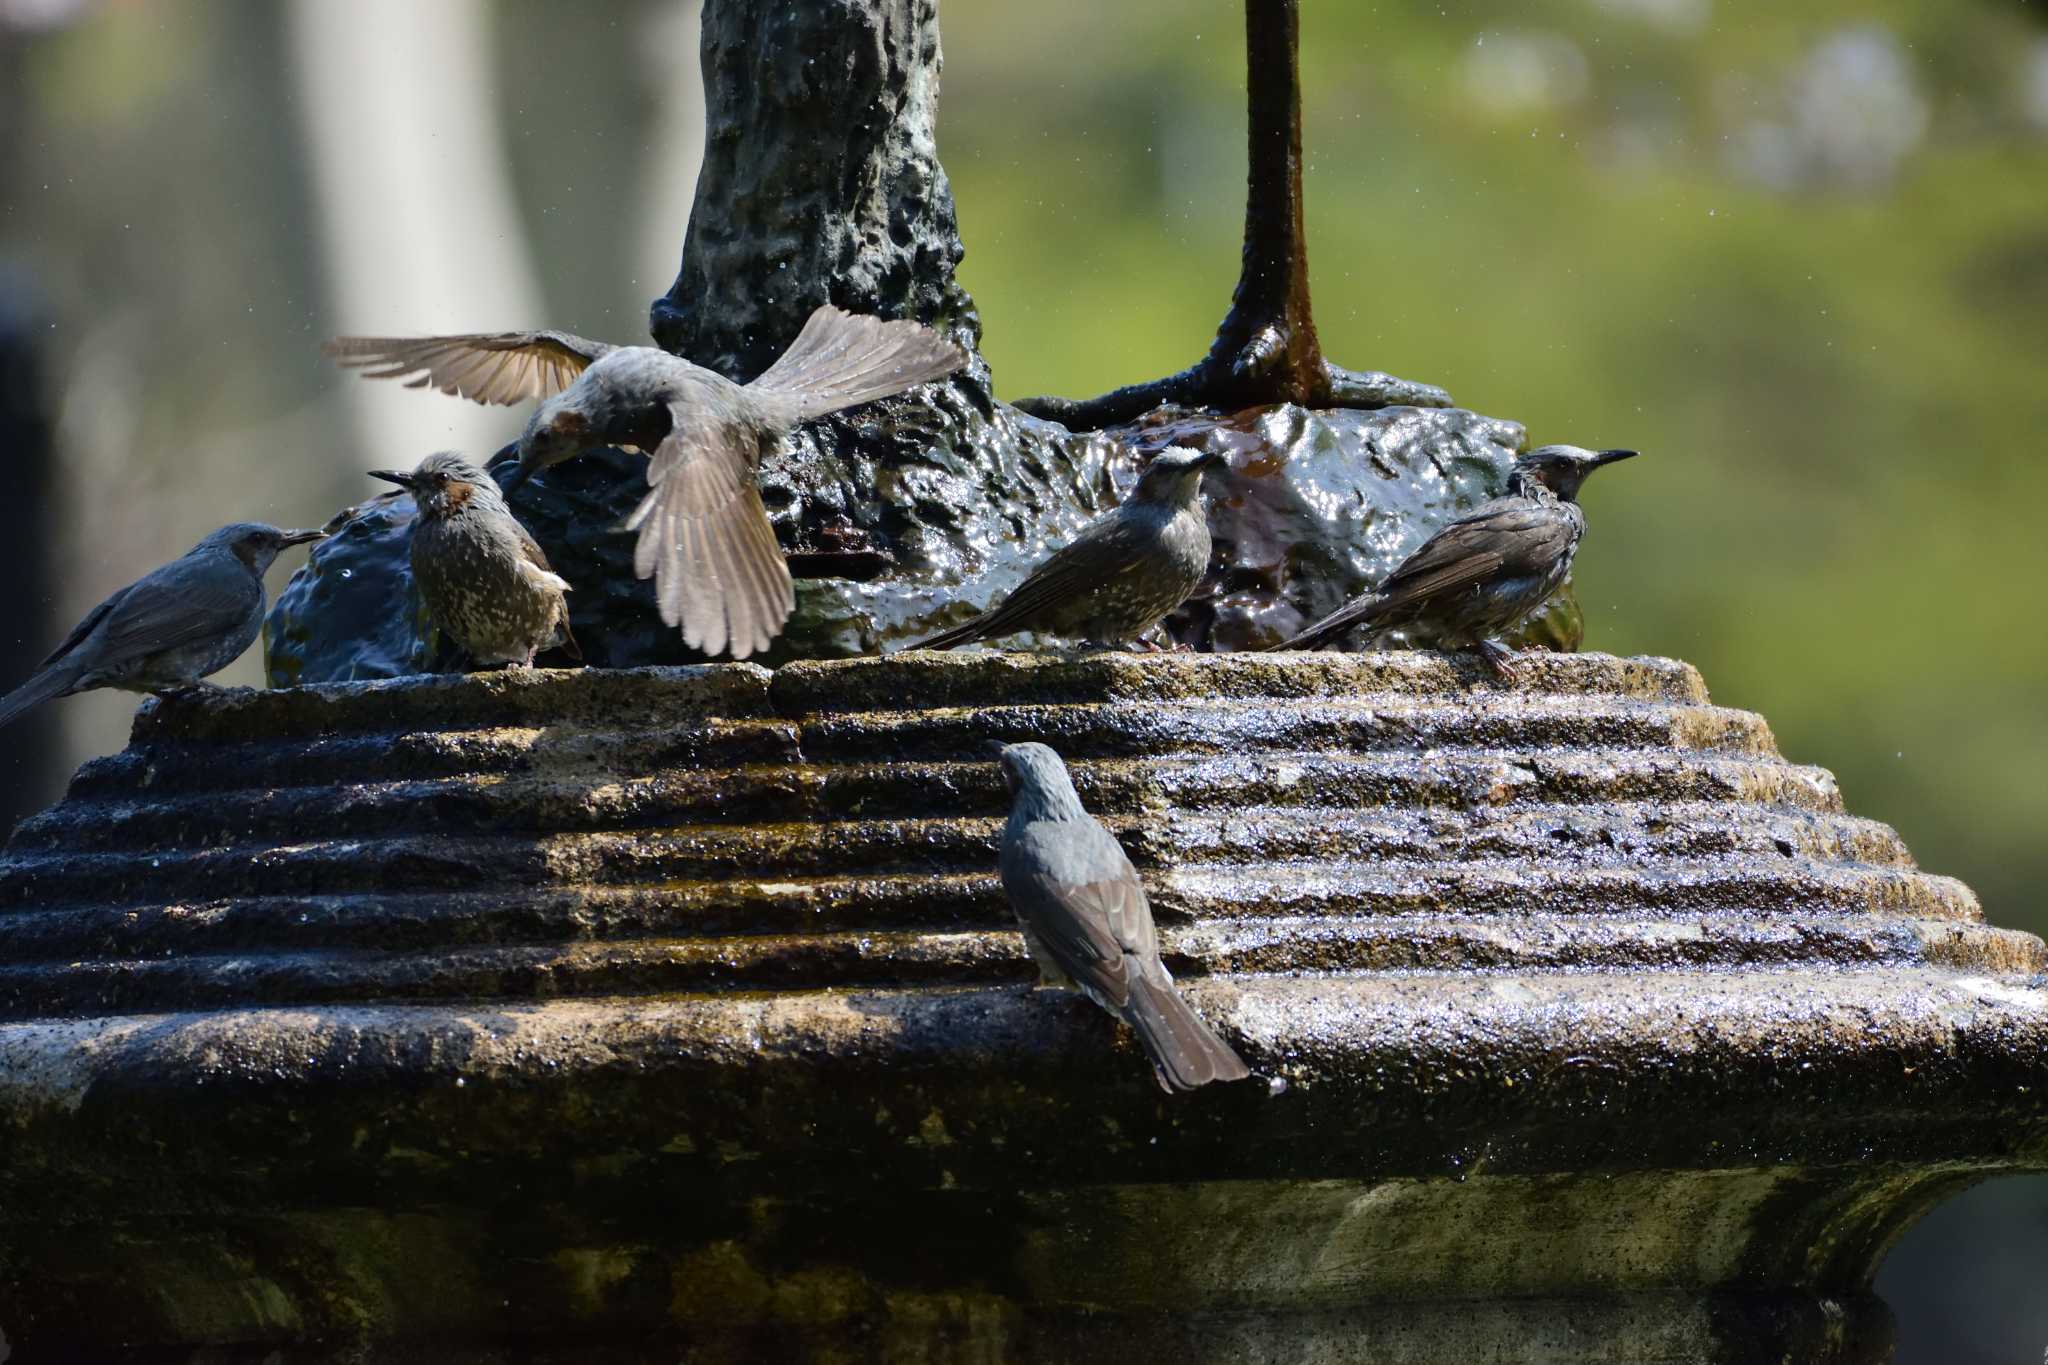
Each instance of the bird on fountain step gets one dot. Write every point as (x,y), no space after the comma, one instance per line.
(1486,572)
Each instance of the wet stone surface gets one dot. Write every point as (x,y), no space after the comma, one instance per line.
(677,1014)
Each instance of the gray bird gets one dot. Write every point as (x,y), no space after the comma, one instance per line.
(704,534)
(1486,572)
(1122,575)
(1088,924)
(170,628)
(484,580)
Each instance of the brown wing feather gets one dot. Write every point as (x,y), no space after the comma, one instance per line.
(1079,567)
(706,542)
(1491,538)
(1495,538)
(840,359)
(1082,932)
(484,367)
(530,548)
(83,628)
(181,603)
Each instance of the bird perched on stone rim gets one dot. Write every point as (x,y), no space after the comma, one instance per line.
(1487,571)
(483,578)
(169,629)
(1124,573)
(704,535)
(1088,924)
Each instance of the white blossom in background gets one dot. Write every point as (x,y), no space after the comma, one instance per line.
(418,227)
(673,142)
(1516,71)
(1673,16)
(2034,85)
(1848,116)
(38,16)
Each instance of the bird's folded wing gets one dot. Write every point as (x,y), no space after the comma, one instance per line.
(83,629)
(537,562)
(1511,535)
(182,603)
(1076,922)
(485,367)
(706,542)
(1087,563)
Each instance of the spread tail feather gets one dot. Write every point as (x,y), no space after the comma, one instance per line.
(958,635)
(1185,1052)
(841,359)
(54,681)
(1359,613)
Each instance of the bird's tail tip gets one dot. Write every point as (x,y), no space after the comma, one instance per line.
(947,639)
(841,359)
(47,685)
(1185,1052)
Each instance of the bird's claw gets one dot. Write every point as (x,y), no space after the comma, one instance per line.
(1499,660)
(1157,641)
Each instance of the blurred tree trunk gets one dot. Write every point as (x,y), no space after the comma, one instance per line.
(27,751)
(420,230)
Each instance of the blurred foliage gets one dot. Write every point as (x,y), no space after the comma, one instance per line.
(1840,387)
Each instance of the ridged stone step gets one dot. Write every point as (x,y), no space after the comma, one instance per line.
(526,833)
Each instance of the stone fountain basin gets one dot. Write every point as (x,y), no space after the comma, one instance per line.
(604,1007)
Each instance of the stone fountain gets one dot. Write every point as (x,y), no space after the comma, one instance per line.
(672,1011)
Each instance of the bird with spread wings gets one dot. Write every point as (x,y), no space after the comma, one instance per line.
(704,534)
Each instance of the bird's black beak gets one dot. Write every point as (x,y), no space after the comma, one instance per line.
(1612,457)
(393,476)
(1212,459)
(515,479)
(302,537)
(994,748)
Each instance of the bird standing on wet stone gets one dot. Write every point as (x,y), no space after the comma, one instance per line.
(1486,572)
(704,534)
(1088,924)
(484,580)
(1122,575)
(170,628)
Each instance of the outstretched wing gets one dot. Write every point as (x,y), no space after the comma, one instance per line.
(484,367)
(705,538)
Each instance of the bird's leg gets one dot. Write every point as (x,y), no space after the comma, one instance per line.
(1266,350)
(1157,641)
(1498,658)
(1051,976)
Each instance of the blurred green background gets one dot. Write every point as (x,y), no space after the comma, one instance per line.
(1797,253)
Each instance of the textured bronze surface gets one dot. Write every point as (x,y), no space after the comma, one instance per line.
(676,1013)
